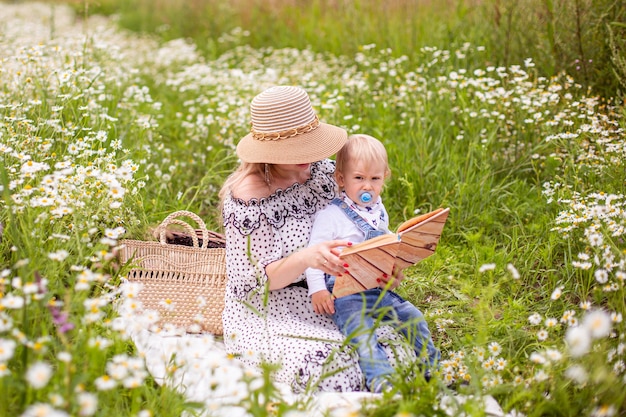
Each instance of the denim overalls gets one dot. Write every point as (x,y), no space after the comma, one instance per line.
(356,315)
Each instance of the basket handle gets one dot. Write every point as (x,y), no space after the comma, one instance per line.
(172,219)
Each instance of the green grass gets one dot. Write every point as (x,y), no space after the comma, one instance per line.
(131,129)
(583,38)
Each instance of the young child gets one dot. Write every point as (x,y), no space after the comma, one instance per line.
(359,214)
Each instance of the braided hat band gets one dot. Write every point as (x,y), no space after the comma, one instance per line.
(286,130)
(286,133)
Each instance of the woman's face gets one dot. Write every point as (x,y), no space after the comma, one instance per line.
(292,167)
(292,172)
(361,177)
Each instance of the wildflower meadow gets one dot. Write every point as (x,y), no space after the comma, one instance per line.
(104,132)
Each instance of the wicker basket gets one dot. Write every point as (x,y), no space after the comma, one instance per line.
(185,284)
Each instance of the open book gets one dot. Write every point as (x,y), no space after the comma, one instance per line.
(415,240)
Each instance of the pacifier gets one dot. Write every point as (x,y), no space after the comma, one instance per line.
(365,197)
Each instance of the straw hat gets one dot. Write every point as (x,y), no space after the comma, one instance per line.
(286,130)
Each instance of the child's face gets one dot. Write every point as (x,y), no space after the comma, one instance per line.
(358,177)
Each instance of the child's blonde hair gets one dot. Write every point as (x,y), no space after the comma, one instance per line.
(361,147)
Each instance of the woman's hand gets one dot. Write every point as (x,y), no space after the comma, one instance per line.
(323,302)
(325,256)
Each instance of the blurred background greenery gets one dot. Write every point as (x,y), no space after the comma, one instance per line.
(585,38)
(525,163)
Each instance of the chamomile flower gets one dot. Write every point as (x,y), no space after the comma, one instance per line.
(535,319)
(4,369)
(12,302)
(553,355)
(541,375)
(556,294)
(596,239)
(604,410)
(6,322)
(578,340)
(59,255)
(114,233)
(57,400)
(105,383)
(132,382)
(88,404)
(99,342)
(494,348)
(616,317)
(601,276)
(598,323)
(38,374)
(567,315)
(513,271)
(117,371)
(486,267)
(43,410)
(537,358)
(577,373)
(7,349)
(167,304)
(551,322)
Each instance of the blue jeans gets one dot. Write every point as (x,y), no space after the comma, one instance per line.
(357,316)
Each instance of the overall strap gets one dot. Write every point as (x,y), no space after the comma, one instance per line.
(359,221)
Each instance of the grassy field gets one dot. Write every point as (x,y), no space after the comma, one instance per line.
(104,132)
(586,39)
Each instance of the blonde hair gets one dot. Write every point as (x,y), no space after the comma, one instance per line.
(361,147)
(234,179)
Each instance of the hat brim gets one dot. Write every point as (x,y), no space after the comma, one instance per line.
(318,144)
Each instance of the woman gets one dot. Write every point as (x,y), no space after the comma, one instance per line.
(268,206)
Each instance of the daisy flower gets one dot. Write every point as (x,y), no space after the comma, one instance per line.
(88,404)
(38,374)
(578,340)
(598,323)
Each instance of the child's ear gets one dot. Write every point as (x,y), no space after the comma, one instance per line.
(339,178)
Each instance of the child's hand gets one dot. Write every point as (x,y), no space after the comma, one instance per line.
(323,302)
(398,276)
(393,281)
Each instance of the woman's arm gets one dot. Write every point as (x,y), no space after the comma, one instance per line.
(323,256)
(284,271)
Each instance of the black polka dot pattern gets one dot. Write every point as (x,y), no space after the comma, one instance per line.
(280,326)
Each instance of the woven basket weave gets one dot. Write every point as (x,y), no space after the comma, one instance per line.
(185,284)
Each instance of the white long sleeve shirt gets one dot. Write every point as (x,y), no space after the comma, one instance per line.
(332,223)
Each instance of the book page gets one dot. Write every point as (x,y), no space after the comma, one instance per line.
(420,240)
(412,222)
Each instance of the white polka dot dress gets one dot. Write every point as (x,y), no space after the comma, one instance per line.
(280,326)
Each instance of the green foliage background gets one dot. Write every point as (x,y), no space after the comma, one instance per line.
(585,38)
(477,115)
